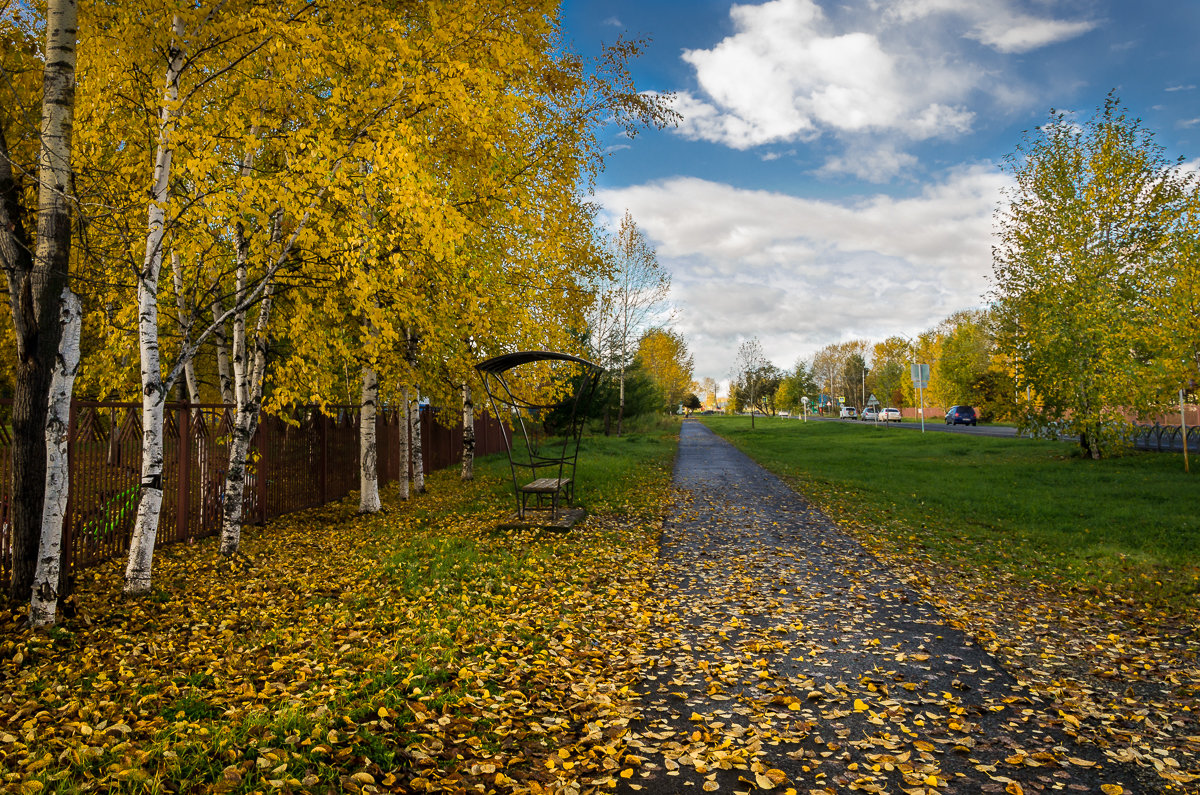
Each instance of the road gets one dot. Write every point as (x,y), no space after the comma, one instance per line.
(998,431)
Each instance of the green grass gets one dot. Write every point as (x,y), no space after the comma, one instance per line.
(611,471)
(1029,508)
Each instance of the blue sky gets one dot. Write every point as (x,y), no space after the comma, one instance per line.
(838,164)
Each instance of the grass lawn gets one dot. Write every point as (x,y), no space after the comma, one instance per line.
(419,649)
(1018,507)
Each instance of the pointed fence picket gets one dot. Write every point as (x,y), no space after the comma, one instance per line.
(300,461)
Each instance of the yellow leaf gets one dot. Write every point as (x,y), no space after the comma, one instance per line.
(1014,788)
(1112,789)
(860,705)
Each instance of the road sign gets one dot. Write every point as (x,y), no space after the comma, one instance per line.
(872,401)
(920,376)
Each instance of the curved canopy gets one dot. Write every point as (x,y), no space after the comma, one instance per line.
(507,361)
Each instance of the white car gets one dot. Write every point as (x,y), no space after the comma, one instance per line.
(848,413)
(889,415)
(869,414)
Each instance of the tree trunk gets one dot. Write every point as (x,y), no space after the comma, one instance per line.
(248,383)
(221,342)
(36,280)
(621,402)
(405,447)
(45,595)
(145,530)
(415,442)
(368,473)
(468,438)
(245,423)
(141,546)
(183,311)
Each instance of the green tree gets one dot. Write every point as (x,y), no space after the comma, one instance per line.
(1089,223)
(854,375)
(665,358)
(892,358)
(796,384)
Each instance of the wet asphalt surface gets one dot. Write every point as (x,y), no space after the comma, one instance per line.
(787,657)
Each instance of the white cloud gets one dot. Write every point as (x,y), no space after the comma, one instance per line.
(872,69)
(786,74)
(1180,88)
(613,22)
(879,164)
(1014,34)
(999,24)
(801,273)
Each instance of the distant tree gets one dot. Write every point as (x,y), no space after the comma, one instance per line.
(633,300)
(707,390)
(829,365)
(1094,213)
(750,359)
(665,358)
(692,402)
(892,358)
(854,372)
(796,384)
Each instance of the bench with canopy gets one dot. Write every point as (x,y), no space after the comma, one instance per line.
(543,473)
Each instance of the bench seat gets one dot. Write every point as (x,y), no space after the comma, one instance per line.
(546,485)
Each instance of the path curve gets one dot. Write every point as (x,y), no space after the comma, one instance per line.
(788,657)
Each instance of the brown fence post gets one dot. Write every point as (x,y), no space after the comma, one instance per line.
(66,569)
(264,447)
(323,441)
(183,472)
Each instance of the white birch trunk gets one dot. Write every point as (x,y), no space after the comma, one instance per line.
(44,601)
(141,547)
(221,341)
(468,441)
(368,472)
(184,314)
(248,383)
(405,447)
(417,454)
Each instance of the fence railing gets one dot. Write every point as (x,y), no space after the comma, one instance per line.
(303,461)
(1164,438)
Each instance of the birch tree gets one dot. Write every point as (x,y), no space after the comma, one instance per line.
(1089,222)
(37,267)
(750,359)
(44,602)
(633,300)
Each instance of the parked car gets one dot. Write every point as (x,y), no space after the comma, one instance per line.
(889,415)
(961,415)
(848,413)
(869,413)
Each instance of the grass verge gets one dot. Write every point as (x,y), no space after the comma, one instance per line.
(1079,575)
(419,649)
(1018,506)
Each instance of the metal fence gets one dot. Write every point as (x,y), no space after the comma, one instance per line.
(297,462)
(1164,438)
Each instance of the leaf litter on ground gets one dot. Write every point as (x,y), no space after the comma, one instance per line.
(420,649)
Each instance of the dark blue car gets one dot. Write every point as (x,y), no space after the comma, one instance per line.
(961,415)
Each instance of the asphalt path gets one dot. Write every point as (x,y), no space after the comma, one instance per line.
(788,657)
